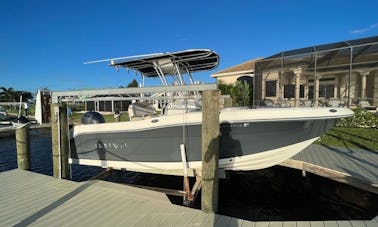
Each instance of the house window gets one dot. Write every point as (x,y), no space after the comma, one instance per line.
(326,88)
(289,91)
(271,88)
(326,91)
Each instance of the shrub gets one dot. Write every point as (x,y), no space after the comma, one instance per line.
(361,119)
(240,93)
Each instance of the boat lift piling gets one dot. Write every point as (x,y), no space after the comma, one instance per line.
(60,140)
(210,150)
(23,147)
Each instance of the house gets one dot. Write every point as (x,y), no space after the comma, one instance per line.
(341,73)
(344,71)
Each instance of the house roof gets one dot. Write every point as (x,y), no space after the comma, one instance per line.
(368,42)
(245,67)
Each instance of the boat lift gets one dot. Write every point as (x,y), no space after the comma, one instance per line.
(162,66)
(189,195)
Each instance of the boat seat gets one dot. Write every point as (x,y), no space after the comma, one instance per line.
(141,110)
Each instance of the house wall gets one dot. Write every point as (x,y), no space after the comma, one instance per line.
(338,81)
(355,90)
(230,79)
(375,88)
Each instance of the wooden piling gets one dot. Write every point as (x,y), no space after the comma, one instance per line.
(55,139)
(23,148)
(210,150)
(60,141)
(64,141)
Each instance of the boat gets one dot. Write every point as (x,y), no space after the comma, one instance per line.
(20,120)
(250,139)
(4,119)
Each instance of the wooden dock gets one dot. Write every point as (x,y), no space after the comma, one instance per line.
(31,199)
(356,167)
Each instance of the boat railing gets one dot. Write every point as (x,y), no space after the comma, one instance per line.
(58,96)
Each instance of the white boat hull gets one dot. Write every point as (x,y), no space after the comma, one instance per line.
(250,140)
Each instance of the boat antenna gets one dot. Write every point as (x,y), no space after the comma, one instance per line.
(112,60)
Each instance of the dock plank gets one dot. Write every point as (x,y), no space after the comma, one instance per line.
(235,222)
(370,223)
(344,223)
(171,216)
(247,223)
(262,224)
(331,224)
(303,224)
(275,224)
(71,208)
(90,216)
(109,213)
(210,220)
(222,220)
(367,161)
(334,160)
(289,224)
(198,218)
(163,218)
(317,224)
(100,203)
(68,213)
(140,211)
(352,166)
(187,217)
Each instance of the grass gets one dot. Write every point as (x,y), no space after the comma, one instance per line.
(363,138)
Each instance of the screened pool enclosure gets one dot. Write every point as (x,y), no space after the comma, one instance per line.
(335,74)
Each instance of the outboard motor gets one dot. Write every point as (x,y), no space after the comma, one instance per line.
(92,118)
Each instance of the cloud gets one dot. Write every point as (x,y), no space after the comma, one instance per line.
(364,30)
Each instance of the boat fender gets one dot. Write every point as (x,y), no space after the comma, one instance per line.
(92,118)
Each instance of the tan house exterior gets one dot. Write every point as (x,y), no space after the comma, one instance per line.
(342,73)
(232,74)
(321,90)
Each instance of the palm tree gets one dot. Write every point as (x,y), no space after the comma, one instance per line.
(224,88)
(8,95)
(26,96)
(240,93)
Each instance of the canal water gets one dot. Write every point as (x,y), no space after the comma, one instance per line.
(273,194)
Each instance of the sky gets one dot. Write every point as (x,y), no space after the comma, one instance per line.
(44,43)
